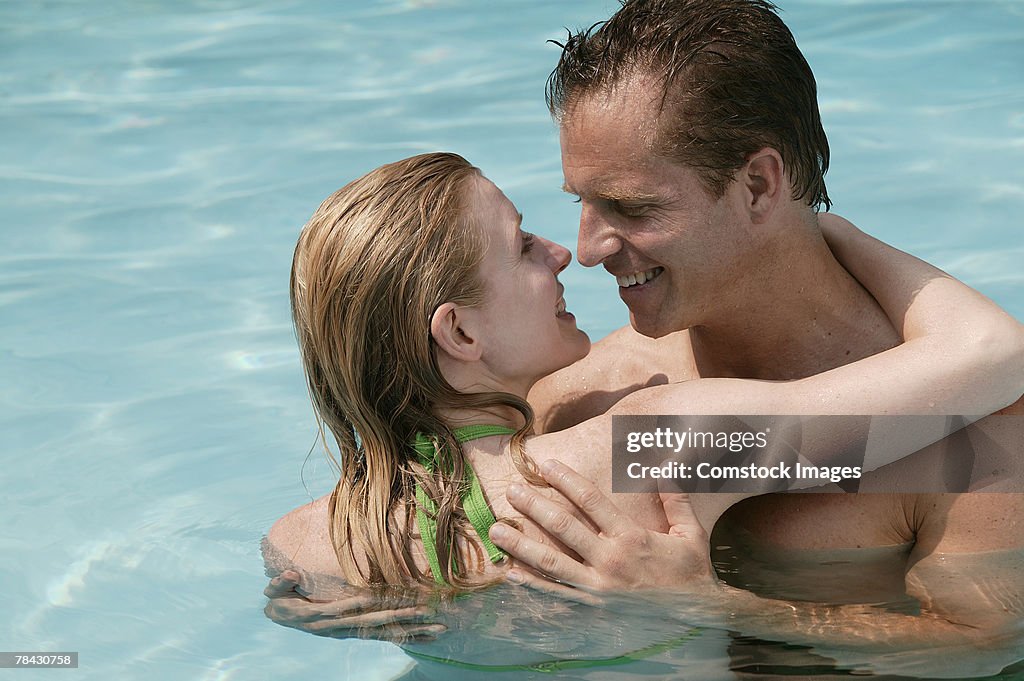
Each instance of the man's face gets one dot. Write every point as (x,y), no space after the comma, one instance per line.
(674,250)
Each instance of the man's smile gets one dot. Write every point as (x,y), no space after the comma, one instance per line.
(637,278)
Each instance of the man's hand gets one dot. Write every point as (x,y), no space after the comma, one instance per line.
(619,556)
(356,614)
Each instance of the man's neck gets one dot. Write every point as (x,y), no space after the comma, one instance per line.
(802,316)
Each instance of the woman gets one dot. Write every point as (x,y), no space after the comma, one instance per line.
(424,315)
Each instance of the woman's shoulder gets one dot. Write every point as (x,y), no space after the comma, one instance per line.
(586,448)
(302,539)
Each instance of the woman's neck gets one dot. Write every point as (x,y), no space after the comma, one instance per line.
(500,415)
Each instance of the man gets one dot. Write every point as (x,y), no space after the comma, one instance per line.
(691,135)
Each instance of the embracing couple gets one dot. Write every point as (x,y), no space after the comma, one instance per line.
(473,419)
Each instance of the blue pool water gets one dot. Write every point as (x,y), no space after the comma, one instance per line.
(157,160)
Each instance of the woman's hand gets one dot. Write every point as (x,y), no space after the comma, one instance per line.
(358,614)
(619,556)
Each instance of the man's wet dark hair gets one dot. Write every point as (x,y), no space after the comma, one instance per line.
(734,82)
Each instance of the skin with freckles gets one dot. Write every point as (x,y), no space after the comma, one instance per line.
(742,283)
(730,299)
(523,298)
(976,611)
(529,333)
(727,279)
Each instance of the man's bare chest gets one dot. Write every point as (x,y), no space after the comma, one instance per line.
(822,520)
(817,547)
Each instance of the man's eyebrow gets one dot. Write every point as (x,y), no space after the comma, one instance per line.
(613,194)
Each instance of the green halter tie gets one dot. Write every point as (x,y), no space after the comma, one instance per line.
(473,502)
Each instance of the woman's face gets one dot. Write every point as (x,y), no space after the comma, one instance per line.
(529,333)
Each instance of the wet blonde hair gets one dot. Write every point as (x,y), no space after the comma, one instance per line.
(371,266)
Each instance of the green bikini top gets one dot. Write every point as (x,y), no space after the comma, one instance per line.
(473,501)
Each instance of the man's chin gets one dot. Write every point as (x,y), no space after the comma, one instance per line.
(645,325)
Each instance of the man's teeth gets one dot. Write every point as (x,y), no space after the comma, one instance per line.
(560,307)
(638,277)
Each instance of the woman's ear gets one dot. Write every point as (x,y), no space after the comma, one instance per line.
(451,332)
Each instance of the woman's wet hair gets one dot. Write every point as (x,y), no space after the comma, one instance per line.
(371,266)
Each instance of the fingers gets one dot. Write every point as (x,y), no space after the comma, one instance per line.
(359,610)
(365,615)
(397,626)
(679,512)
(586,496)
(681,518)
(293,612)
(538,583)
(383,617)
(302,610)
(553,518)
(283,585)
(539,556)
(346,619)
(395,633)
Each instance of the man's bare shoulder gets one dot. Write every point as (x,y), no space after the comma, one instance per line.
(302,539)
(617,365)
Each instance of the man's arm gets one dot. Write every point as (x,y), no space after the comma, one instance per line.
(978,611)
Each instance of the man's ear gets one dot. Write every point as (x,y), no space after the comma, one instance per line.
(451,332)
(764,182)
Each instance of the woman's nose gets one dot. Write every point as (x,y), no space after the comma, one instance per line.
(559,256)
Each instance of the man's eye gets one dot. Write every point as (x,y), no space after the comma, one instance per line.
(630,210)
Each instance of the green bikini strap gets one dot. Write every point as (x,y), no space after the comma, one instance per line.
(473,501)
(428,530)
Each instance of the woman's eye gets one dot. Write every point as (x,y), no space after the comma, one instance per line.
(577,200)
(527,242)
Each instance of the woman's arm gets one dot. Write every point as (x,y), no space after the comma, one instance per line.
(950,331)
(962,355)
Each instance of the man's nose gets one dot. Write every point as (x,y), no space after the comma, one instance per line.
(597,239)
